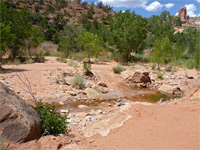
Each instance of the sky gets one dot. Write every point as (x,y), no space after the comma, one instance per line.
(147,8)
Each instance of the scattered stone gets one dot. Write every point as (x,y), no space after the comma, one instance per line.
(88,85)
(91,92)
(72,93)
(65,111)
(82,106)
(102,84)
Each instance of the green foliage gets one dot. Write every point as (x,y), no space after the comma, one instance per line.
(5,38)
(118,69)
(90,43)
(79,81)
(141,58)
(162,51)
(20,26)
(86,66)
(52,122)
(177,21)
(159,75)
(129,31)
(36,37)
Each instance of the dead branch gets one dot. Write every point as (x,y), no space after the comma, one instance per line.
(27,84)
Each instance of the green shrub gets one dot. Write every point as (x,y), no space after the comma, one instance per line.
(159,75)
(52,122)
(30,61)
(79,81)
(141,58)
(17,62)
(153,66)
(86,66)
(118,69)
(73,63)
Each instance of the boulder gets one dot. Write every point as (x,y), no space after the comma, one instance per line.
(170,90)
(102,84)
(139,77)
(19,122)
(91,92)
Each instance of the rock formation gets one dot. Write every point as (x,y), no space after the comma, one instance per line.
(19,122)
(183,14)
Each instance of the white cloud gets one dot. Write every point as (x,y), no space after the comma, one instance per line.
(125,3)
(169,5)
(198,1)
(154,6)
(191,8)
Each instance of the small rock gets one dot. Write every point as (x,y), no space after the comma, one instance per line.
(72,93)
(82,106)
(88,85)
(65,111)
(102,84)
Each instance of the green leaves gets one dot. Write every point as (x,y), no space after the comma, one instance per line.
(129,31)
(162,51)
(90,43)
(51,121)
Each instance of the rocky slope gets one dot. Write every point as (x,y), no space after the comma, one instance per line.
(67,10)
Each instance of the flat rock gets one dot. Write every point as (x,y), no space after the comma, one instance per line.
(91,92)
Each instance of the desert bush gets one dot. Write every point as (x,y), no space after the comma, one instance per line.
(73,63)
(159,75)
(29,61)
(52,122)
(79,81)
(118,69)
(142,58)
(86,66)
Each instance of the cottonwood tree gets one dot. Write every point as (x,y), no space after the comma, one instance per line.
(129,31)
(162,51)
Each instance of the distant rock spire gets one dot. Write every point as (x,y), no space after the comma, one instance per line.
(183,14)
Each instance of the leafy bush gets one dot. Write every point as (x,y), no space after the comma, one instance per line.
(30,61)
(86,66)
(51,121)
(73,63)
(118,69)
(159,75)
(141,58)
(79,81)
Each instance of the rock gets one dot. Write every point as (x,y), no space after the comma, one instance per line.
(170,90)
(91,92)
(88,85)
(81,115)
(82,106)
(65,111)
(102,84)
(19,122)
(139,77)
(72,93)
(183,14)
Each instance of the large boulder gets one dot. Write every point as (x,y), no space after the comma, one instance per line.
(170,90)
(138,78)
(19,122)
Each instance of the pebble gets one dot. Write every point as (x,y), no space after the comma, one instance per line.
(82,106)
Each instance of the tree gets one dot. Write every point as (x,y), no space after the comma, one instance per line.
(130,32)
(177,21)
(36,37)
(162,51)
(64,46)
(90,43)
(20,26)
(6,39)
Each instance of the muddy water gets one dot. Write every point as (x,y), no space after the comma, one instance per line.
(136,95)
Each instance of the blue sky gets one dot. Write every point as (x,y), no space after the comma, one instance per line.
(147,8)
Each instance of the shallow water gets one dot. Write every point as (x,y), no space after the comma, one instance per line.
(137,95)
